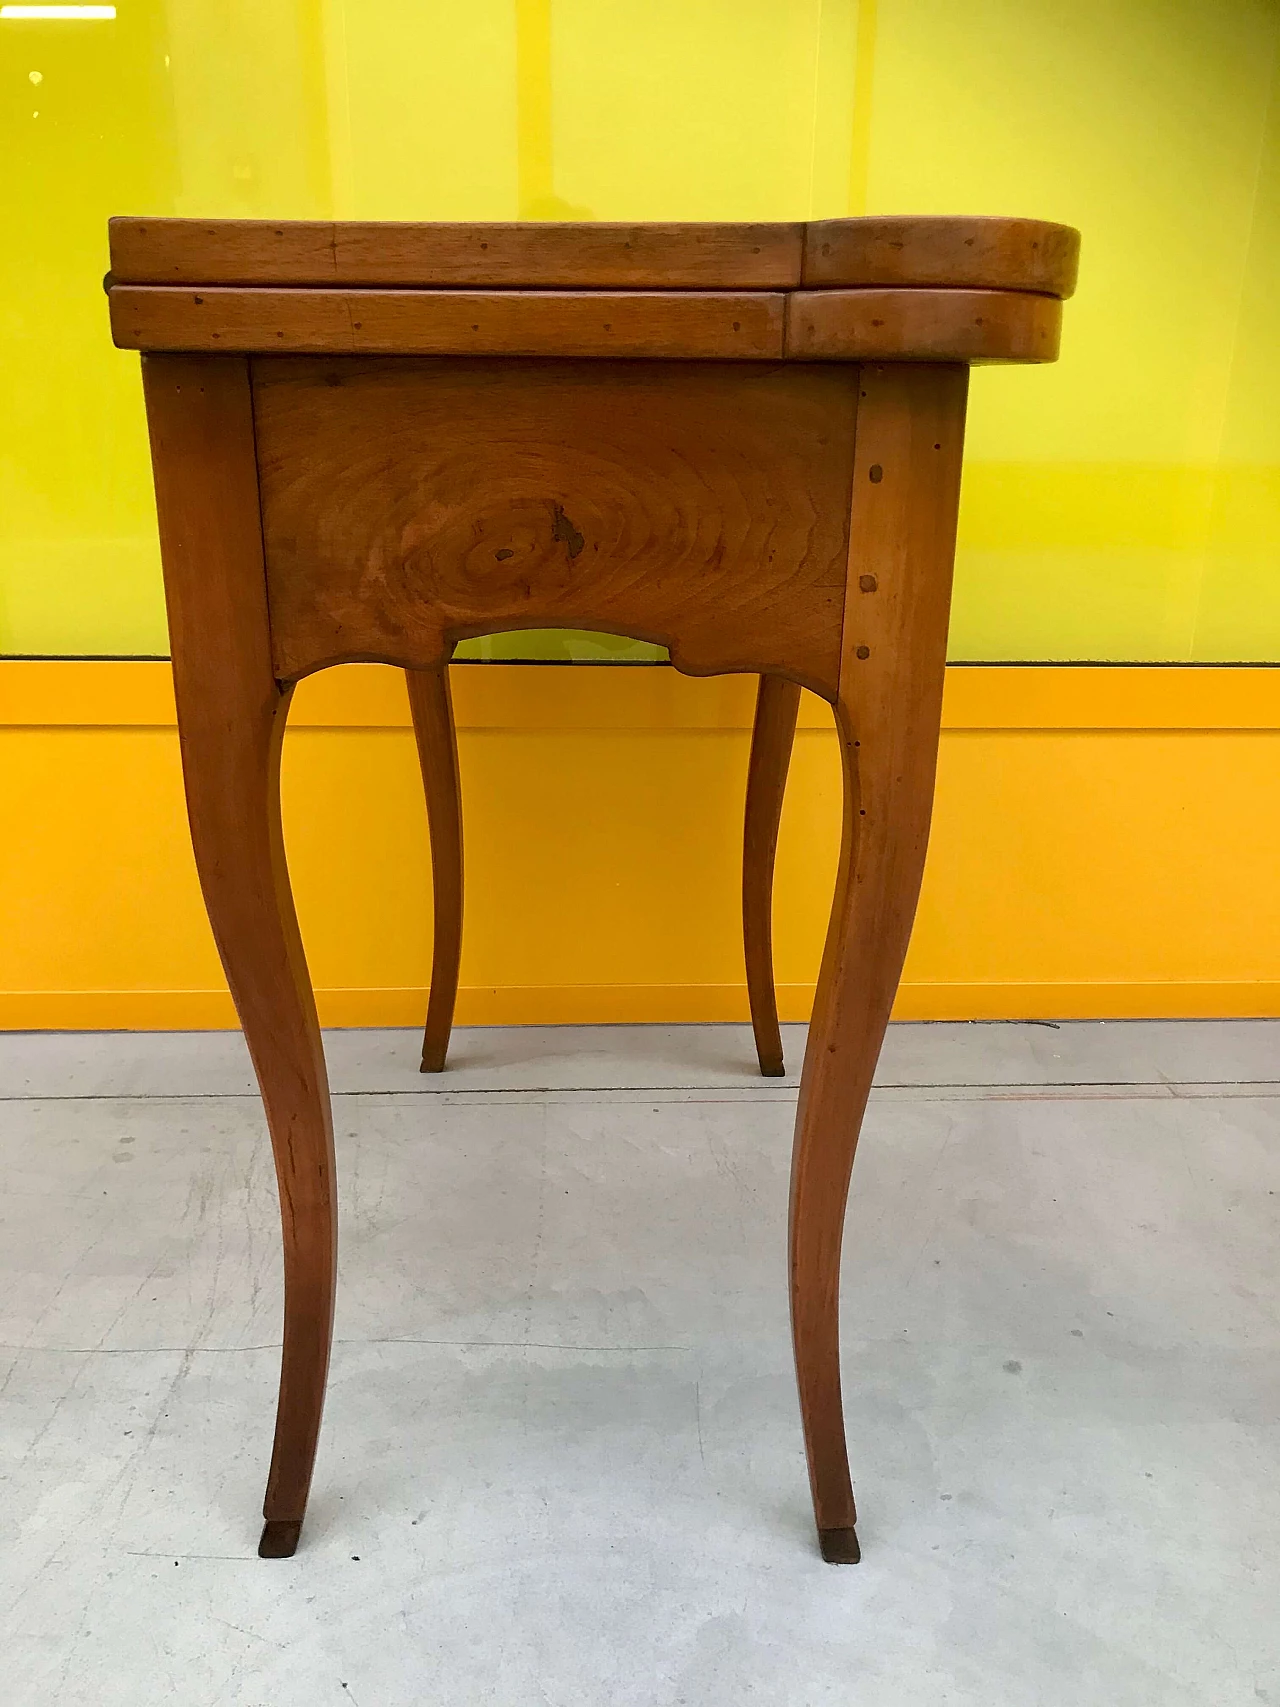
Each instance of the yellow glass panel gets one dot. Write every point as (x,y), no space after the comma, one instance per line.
(1124,504)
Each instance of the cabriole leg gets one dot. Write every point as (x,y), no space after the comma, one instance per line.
(905,497)
(231,718)
(777,707)
(433,727)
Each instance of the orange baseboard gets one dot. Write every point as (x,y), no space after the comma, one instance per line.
(636,1004)
(1102,848)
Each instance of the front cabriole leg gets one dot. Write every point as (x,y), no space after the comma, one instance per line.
(902,545)
(231,718)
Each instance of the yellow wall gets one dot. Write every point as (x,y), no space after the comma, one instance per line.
(1123,505)
(1103,846)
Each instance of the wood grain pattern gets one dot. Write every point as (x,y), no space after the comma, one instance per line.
(594,255)
(692,325)
(923,325)
(777,708)
(231,717)
(990,253)
(431,707)
(408,505)
(888,712)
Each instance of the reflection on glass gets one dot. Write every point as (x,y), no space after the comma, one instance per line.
(1146,527)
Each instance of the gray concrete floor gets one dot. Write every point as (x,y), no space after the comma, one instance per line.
(561,1461)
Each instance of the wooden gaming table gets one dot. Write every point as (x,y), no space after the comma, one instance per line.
(742,442)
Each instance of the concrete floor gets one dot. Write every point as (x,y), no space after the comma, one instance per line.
(561,1461)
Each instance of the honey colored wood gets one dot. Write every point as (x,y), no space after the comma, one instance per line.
(991,254)
(593,255)
(431,707)
(408,505)
(777,708)
(691,325)
(923,325)
(231,718)
(790,518)
(906,486)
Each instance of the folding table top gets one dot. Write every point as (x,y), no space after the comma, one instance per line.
(906,288)
(991,254)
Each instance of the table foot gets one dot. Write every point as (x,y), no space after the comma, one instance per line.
(840,1546)
(433,1063)
(279,1539)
